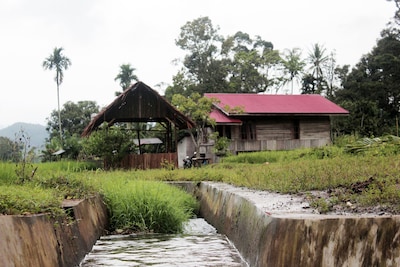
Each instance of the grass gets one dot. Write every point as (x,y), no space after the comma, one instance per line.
(22,200)
(134,204)
(367,176)
(139,205)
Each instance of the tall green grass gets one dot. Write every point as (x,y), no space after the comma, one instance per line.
(138,205)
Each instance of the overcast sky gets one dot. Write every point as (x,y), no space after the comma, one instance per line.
(100,35)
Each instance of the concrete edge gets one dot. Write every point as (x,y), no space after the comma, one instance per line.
(39,240)
(268,240)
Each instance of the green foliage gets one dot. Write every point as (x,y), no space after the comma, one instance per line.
(371,92)
(7,149)
(125,77)
(74,118)
(237,63)
(315,82)
(111,144)
(221,144)
(386,145)
(293,65)
(197,108)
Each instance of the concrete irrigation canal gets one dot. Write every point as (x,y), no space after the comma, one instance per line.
(198,245)
(267,229)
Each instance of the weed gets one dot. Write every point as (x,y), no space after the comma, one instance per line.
(322,205)
(24,168)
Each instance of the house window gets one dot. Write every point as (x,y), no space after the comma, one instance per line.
(224,130)
(296,129)
(248,131)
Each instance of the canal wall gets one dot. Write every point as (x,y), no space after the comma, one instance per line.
(38,240)
(267,229)
(267,232)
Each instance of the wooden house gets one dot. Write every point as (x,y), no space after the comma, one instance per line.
(256,122)
(140,103)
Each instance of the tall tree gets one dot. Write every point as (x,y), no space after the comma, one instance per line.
(251,63)
(197,108)
(317,58)
(293,65)
(397,12)
(371,89)
(203,65)
(59,62)
(75,117)
(125,77)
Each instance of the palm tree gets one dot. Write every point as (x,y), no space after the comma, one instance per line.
(318,59)
(293,64)
(59,62)
(125,77)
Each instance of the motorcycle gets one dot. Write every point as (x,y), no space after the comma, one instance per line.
(187,163)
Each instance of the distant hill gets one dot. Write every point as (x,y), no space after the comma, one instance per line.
(36,132)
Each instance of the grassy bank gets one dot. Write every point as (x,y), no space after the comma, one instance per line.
(134,204)
(365,174)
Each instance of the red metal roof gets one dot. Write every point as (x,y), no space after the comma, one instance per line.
(221,118)
(278,104)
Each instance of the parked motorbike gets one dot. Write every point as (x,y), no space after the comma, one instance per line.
(187,162)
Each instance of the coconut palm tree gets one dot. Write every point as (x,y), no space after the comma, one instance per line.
(293,64)
(318,58)
(125,77)
(59,62)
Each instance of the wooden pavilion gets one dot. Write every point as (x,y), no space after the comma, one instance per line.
(140,103)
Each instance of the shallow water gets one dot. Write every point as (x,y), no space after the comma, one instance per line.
(199,245)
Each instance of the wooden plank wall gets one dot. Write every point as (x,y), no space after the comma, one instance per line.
(260,145)
(314,128)
(278,130)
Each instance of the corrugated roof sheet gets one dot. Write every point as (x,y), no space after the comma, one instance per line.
(221,118)
(278,104)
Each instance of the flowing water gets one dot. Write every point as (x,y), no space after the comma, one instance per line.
(199,245)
